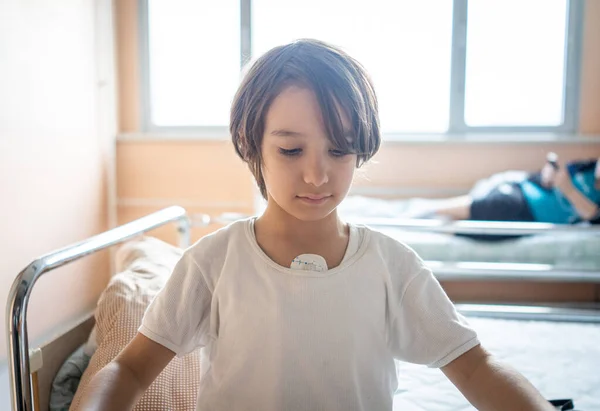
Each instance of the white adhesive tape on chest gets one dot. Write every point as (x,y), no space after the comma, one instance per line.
(309,262)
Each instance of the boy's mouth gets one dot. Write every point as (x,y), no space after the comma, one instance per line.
(314,198)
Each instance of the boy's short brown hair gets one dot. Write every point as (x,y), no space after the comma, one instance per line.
(337,80)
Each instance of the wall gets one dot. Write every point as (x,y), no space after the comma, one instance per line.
(204,178)
(57,128)
(590,91)
(218,181)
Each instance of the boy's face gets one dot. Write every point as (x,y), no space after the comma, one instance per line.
(304,173)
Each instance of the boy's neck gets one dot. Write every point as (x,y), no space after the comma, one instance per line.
(283,237)
(277,222)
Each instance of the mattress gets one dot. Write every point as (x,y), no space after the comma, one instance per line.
(560,359)
(565,250)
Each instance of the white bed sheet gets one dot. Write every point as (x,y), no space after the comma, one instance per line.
(561,359)
(570,250)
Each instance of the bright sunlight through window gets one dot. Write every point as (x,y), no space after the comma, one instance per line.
(194,53)
(403,45)
(515,62)
(513,75)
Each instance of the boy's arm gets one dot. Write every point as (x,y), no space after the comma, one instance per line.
(490,385)
(120,384)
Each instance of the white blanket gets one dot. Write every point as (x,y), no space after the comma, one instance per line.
(562,360)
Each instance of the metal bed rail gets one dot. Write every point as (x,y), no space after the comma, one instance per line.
(478,227)
(489,271)
(16,308)
(438,225)
(531,313)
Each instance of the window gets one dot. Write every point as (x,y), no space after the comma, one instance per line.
(193,61)
(403,45)
(439,66)
(515,63)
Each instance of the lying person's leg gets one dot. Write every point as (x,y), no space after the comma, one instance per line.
(453,208)
(456,208)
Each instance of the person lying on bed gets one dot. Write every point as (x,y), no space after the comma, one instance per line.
(296,309)
(556,194)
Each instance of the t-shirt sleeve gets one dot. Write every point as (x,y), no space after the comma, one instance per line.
(425,326)
(179,316)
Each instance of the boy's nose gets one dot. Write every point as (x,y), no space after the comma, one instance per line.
(316,172)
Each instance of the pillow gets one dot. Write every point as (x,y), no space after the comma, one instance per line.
(144,265)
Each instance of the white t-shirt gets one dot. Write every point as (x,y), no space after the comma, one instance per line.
(276,338)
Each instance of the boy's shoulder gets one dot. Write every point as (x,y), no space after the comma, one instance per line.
(217,244)
(400,263)
(392,249)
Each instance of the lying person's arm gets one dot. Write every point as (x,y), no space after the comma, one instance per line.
(490,385)
(585,208)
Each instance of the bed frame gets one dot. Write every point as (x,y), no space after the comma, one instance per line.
(32,371)
(30,382)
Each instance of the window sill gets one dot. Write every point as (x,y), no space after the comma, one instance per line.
(469,138)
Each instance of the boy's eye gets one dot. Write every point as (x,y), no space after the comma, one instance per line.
(290,153)
(338,153)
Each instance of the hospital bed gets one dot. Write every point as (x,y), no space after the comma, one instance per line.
(541,341)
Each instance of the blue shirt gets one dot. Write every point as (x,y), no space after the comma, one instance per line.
(551,206)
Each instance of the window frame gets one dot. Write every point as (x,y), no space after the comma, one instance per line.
(456,125)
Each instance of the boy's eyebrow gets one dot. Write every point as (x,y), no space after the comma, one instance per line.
(289,133)
(286,133)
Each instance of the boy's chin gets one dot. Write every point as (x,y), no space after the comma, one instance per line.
(305,212)
(311,215)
